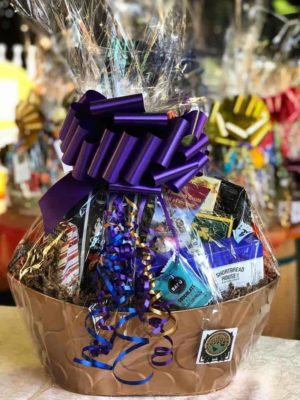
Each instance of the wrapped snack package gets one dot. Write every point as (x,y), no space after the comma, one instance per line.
(143,276)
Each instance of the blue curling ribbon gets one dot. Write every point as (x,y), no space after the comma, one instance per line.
(120,255)
(118,284)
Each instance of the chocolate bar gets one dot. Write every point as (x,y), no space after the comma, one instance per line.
(212,227)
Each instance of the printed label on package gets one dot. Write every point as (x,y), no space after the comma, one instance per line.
(216,346)
(240,273)
(191,196)
(242,231)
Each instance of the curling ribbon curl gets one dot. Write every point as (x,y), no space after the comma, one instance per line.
(116,269)
(114,143)
(239,119)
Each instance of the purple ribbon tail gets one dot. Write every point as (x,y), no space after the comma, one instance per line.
(60,198)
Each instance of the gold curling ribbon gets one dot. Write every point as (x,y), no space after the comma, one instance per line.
(29,119)
(146,261)
(242,118)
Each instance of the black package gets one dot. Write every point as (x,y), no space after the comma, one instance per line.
(233,200)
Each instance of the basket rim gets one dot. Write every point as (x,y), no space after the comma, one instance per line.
(11,279)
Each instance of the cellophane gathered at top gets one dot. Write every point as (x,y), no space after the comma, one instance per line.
(150,234)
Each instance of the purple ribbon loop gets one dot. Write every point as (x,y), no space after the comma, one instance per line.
(83,161)
(187,152)
(133,103)
(115,142)
(169,146)
(141,119)
(197,120)
(101,156)
(142,159)
(119,158)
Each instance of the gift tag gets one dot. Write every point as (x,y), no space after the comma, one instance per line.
(21,166)
(216,346)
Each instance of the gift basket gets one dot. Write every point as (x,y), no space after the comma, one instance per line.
(143,276)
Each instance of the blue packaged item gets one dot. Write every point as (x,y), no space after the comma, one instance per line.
(179,284)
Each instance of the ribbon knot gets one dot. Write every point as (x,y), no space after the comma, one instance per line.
(114,142)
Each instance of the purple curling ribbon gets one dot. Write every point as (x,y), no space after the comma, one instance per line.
(115,144)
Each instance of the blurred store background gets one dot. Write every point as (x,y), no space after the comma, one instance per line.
(241,59)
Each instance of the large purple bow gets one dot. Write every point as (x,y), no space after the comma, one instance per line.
(115,142)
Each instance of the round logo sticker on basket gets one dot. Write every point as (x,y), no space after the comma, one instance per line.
(217,343)
(216,346)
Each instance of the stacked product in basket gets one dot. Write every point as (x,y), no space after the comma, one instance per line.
(143,275)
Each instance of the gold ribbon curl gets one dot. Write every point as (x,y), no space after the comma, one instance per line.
(146,261)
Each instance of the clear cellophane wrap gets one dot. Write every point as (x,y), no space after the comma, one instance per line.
(155,256)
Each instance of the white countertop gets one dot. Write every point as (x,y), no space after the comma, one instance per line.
(271,373)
